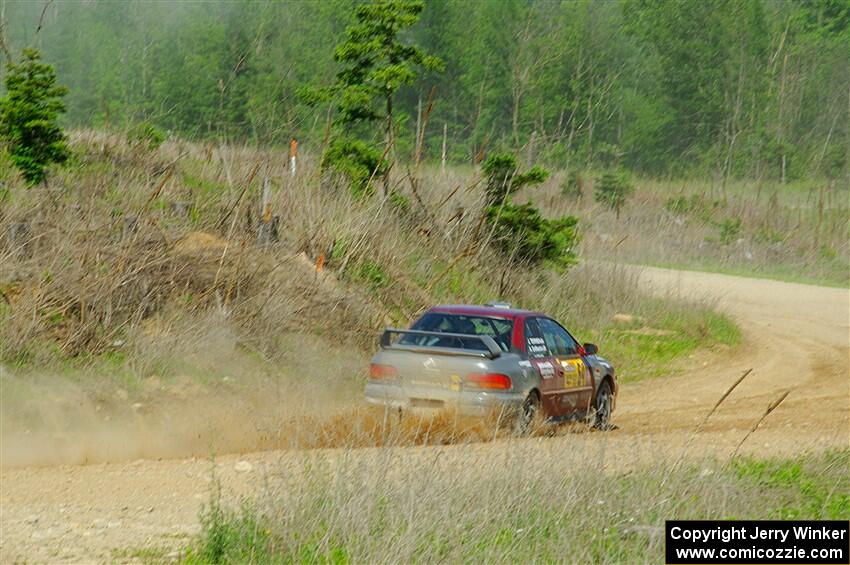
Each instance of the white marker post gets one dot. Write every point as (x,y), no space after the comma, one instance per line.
(293,151)
(443,155)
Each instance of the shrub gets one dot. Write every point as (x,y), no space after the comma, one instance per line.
(572,186)
(524,235)
(29,117)
(356,161)
(147,134)
(612,189)
(729,228)
(679,205)
(503,178)
(695,205)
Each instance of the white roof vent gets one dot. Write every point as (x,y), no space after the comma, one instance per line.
(505,305)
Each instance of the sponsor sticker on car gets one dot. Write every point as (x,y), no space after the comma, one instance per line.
(547,370)
(574,372)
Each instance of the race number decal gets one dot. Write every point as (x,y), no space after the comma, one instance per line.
(574,373)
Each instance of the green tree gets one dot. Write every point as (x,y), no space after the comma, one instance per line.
(356,160)
(29,117)
(504,178)
(522,234)
(375,64)
(734,88)
(689,42)
(612,189)
(572,187)
(519,230)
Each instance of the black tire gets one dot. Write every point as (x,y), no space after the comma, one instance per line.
(603,407)
(528,413)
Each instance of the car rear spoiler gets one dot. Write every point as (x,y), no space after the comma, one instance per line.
(492,348)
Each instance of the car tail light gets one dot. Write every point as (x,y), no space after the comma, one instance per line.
(378,372)
(492,381)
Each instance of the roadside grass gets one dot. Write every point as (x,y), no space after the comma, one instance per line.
(121,273)
(546,508)
(658,352)
(803,488)
(835,274)
(796,232)
(137,303)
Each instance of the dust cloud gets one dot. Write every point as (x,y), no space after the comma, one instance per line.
(218,399)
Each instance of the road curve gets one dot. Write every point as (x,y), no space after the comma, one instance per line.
(796,340)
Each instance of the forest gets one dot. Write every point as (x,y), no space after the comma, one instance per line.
(747,89)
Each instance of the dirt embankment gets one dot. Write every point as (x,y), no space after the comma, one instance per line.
(796,341)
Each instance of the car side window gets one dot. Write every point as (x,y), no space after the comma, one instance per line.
(535,345)
(557,339)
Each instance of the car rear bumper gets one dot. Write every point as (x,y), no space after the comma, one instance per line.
(467,402)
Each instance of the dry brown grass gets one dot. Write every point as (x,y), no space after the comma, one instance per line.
(361,427)
(127,236)
(798,231)
(535,502)
(143,266)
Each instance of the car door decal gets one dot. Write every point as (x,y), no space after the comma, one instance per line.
(547,370)
(575,373)
(536,346)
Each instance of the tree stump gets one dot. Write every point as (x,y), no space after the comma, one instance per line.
(267,232)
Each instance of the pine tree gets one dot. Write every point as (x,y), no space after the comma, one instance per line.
(504,178)
(29,117)
(519,230)
(612,189)
(375,64)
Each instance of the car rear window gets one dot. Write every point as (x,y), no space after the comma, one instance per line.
(497,328)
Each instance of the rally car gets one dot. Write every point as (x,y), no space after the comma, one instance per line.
(477,359)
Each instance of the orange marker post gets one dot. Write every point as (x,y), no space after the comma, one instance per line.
(293,151)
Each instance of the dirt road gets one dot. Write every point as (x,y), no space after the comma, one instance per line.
(796,339)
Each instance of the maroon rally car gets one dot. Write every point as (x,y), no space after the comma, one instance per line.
(479,358)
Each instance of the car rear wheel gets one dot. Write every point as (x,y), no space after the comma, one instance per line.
(528,413)
(603,408)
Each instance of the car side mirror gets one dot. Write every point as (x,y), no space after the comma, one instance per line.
(590,348)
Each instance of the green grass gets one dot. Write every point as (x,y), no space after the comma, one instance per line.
(205,188)
(802,488)
(372,274)
(141,555)
(652,348)
(336,515)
